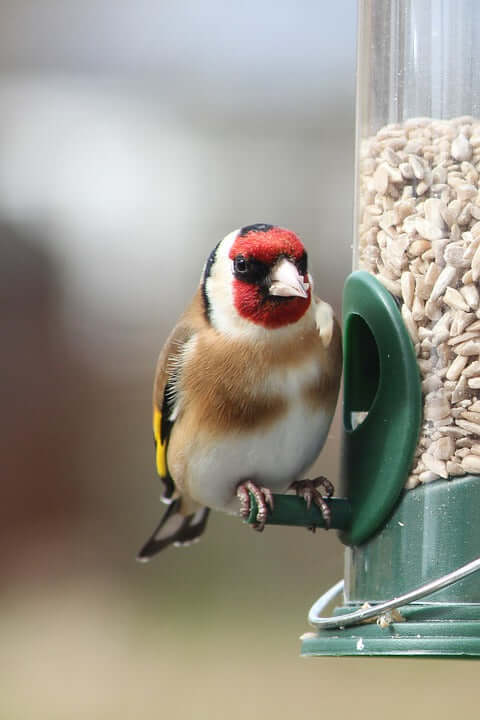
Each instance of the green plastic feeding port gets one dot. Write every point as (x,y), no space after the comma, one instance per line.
(382,404)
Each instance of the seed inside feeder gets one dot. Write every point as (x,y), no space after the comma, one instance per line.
(419,234)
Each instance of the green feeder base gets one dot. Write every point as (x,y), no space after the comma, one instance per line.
(432,532)
(429,630)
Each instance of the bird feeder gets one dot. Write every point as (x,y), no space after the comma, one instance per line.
(411,328)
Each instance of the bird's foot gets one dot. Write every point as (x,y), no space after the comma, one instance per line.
(263,497)
(308,489)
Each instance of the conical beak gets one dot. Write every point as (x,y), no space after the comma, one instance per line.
(286,281)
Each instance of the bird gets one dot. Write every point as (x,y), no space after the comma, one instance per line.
(245,387)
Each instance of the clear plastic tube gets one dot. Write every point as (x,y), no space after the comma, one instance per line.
(417,207)
(417,58)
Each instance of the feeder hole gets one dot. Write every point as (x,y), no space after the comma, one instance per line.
(362,372)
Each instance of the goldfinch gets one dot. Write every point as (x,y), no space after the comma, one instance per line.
(245,387)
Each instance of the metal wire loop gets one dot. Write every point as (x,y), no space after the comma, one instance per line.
(367,613)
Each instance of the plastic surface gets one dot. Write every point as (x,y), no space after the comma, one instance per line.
(433,530)
(435,631)
(292,510)
(380,377)
(416,58)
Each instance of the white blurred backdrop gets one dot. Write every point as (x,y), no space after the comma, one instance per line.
(134,135)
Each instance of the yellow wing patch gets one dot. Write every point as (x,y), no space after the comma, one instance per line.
(160,448)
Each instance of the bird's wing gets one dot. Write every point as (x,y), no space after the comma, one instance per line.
(331,351)
(165,396)
(325,321)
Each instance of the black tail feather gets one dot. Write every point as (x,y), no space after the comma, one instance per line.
(174,529)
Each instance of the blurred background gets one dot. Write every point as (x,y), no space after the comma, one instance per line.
(133,136)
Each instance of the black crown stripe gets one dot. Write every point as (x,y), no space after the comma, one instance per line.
(257,227)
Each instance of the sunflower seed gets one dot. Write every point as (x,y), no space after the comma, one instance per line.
(380,179)
(392,285)
(443,448)
(468,425)
(418,311)
(436,406)
(464,442)
(454,431)
(472,416)
(407,284)
(418,247)
(471,296)
(409,323)
(454,469)
(461,148)
(454,255)
(471,463)
(462,338)
(476,265)
(459,391)
(455,369)
(445,279)
(472,370)
(471,347)
(431,383)
(427,476)
(435,465)
(453,298)
(461,321)
(427,229)
(412,482)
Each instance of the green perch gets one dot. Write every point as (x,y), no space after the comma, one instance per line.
(292,510)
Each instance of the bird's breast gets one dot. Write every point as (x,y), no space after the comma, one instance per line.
(282,438)
(240,387)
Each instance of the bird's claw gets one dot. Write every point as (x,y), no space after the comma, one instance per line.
(308,489)
(264,499)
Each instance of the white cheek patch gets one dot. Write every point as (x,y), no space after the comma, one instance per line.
(219,287)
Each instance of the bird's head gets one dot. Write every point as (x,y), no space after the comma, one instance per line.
(256,275)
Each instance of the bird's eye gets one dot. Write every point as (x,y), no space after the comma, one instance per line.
(302,264)
(249,269)
(240,264)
